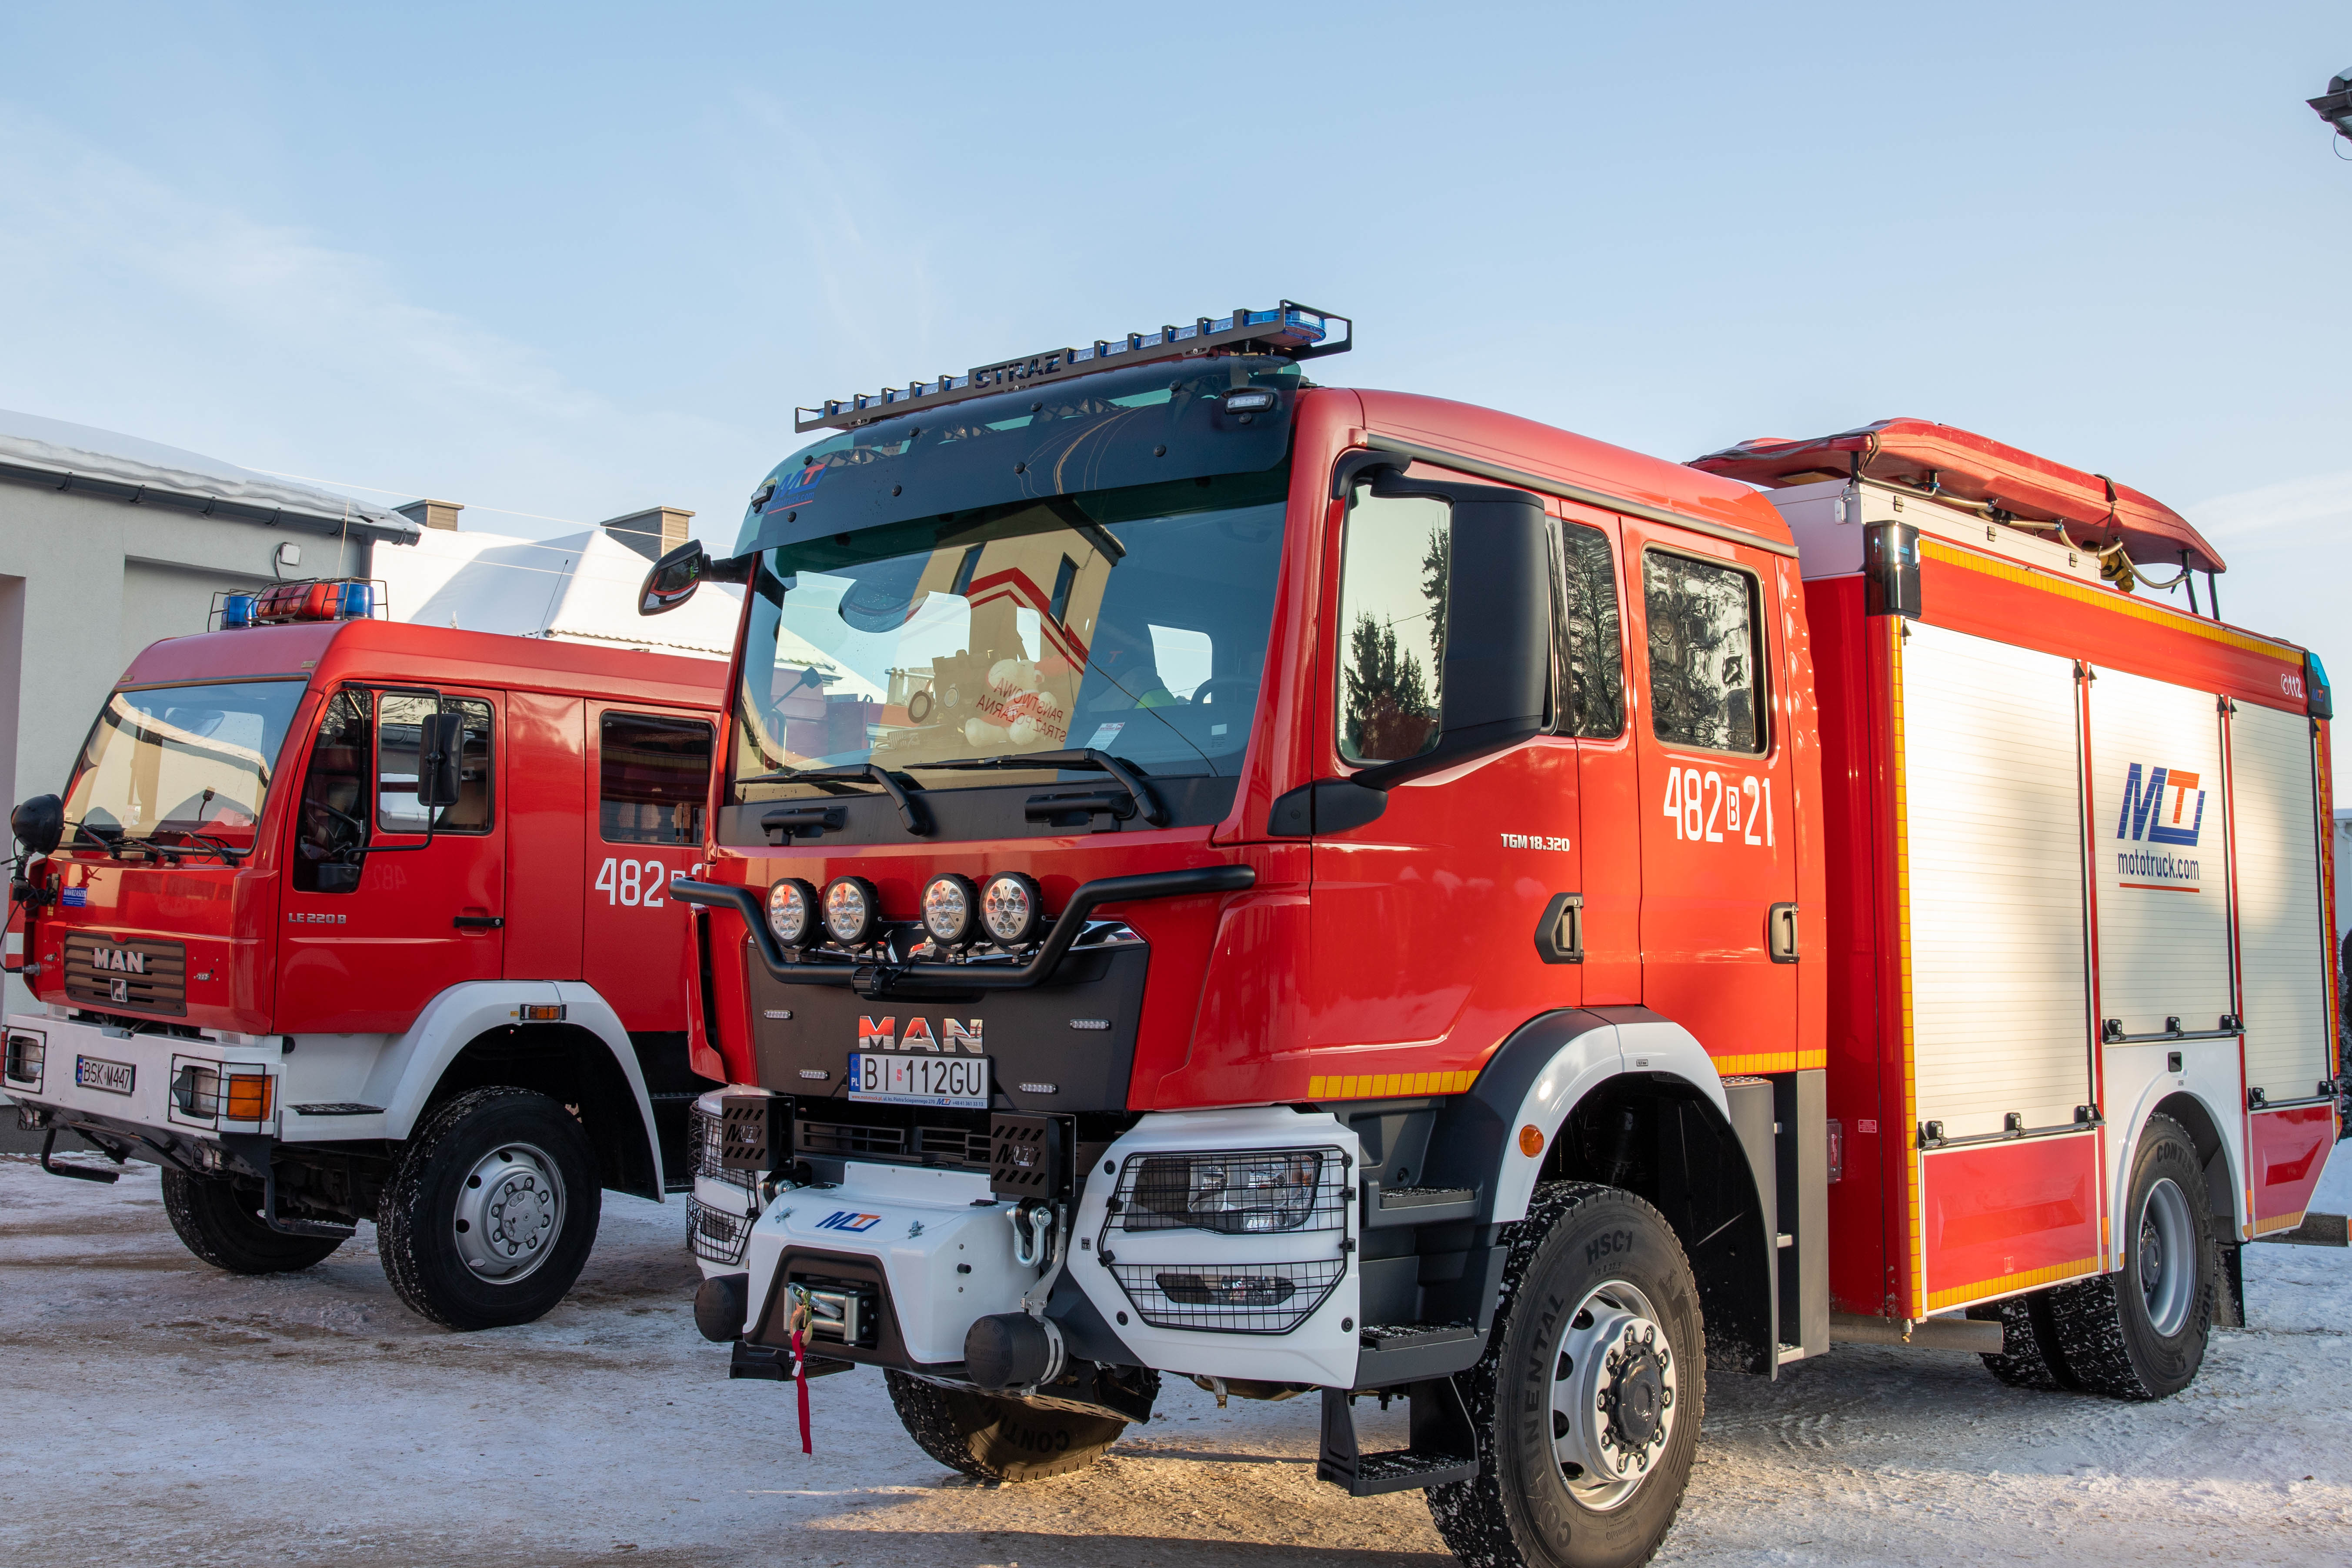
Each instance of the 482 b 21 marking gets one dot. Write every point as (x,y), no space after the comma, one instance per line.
(1714,807)
(640,884)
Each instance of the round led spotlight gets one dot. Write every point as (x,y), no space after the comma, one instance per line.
(852,911)
(1012,907)
(951,910)
(792,912)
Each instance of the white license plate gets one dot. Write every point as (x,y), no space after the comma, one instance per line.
(919,1081)
(94,1072)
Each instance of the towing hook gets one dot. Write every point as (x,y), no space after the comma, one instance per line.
(1032,1233)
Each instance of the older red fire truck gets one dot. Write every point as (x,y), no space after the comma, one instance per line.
(1321,890)
(433,979)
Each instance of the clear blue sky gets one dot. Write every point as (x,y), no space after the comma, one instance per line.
(574,261)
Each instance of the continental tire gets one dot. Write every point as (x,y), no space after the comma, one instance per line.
(997,1439)
(491,1212)
(1588,1399)
(220,1222)
(2140,1333)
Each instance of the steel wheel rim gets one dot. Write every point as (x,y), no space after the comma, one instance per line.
(2164,1257)
(509,1211)
(1615,1383)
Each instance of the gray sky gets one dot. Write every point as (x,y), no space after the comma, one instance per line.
(574,261)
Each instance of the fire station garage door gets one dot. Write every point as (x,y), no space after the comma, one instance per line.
(2282,934)
(1999,981)
(2162,854)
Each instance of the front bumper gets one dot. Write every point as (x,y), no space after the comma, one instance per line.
(109,1080)
(932,1250)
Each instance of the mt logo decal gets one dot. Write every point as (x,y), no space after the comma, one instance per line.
(2163,807)
(843,1219)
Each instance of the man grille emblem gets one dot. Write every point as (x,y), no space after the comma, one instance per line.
(118,989)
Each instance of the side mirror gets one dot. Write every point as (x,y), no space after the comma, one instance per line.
(673,579)
(439,743)
(1497,671)
(38,823)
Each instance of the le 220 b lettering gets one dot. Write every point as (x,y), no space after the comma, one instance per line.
(1712,807)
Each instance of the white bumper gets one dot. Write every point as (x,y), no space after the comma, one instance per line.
(95,1070)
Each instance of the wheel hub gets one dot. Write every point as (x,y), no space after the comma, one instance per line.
(2167,1257)
(510,1212)
(1614,1391)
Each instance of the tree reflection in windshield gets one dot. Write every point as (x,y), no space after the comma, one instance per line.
(185,763)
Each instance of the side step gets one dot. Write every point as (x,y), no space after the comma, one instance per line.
(1444,1449)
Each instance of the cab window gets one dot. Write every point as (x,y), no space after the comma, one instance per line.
(400,722)
(332,826)
(1589,635)
(1393,575)
(653,777)
(1706,646)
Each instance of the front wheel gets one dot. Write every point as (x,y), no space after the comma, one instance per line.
(490,1216)
(995,1439)
(221,1223)
(1588,1399)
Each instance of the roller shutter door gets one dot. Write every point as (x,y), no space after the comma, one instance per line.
(2282,932)
(1998,977)
(2159,854)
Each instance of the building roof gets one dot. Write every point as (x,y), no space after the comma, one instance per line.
(84,460)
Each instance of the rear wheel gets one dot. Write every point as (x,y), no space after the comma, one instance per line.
(997,1439)
(220,1222)
(2141,1333)
(1588,1399)
(491,1212)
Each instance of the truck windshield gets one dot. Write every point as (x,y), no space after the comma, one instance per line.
(180,765)
(1132,621)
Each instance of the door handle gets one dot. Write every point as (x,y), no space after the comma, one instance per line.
(479,922)
(1780,932)
(1559,935)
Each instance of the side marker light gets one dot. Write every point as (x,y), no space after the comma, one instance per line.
(1531,1140)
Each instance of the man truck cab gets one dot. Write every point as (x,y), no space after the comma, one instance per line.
(1340,892)
(343,919)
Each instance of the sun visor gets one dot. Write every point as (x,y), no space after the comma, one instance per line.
(1148,424)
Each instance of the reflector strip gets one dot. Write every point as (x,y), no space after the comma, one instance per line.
(1388,1086)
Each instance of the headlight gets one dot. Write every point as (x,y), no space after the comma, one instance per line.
(792,911)
(1013,908)
(1239,1195)
(852,911)
(950,910)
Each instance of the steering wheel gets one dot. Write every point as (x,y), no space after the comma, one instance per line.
(1205,694)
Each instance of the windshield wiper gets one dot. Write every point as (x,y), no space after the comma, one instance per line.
(1082,757)
(852,772)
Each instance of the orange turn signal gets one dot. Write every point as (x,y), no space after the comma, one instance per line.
(1531,1140)
(251,1097)
(538,1012)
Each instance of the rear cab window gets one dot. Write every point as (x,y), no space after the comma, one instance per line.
(653,778)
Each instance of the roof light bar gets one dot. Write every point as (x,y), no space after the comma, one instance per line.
(1298,331)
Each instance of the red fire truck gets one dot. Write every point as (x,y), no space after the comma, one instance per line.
(1321,890)
(437,982)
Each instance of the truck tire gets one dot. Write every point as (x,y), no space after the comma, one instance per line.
(2141,1333)
(997,1439)
(220,1222)
(1598,1360)
(2030,1356)
(491,1211)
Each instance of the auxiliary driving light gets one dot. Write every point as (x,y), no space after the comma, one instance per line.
(792,911)
(852,911)
(951,910)
(1012,907)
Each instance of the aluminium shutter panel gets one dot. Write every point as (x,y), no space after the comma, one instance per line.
(2000,985)
(2160,854)
(2282,943)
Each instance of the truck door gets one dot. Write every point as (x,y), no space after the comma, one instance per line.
(651,772)
(381,915)
(1719,925)
(1433,926)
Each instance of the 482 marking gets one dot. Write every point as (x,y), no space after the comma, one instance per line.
(636,883)
(1711,807)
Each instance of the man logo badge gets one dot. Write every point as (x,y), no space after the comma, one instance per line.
(953,1035)
(118,990)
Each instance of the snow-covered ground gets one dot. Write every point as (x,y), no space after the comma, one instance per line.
(158,1412)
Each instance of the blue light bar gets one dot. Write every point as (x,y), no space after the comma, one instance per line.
(1294,331)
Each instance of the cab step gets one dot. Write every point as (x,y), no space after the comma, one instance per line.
(1444,1449)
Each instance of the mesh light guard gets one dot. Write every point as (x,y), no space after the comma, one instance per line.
(1184,1269)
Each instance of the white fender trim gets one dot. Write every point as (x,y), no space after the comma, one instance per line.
(462,1014)
(1583,1065)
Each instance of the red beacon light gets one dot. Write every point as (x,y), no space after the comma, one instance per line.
(325,599)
